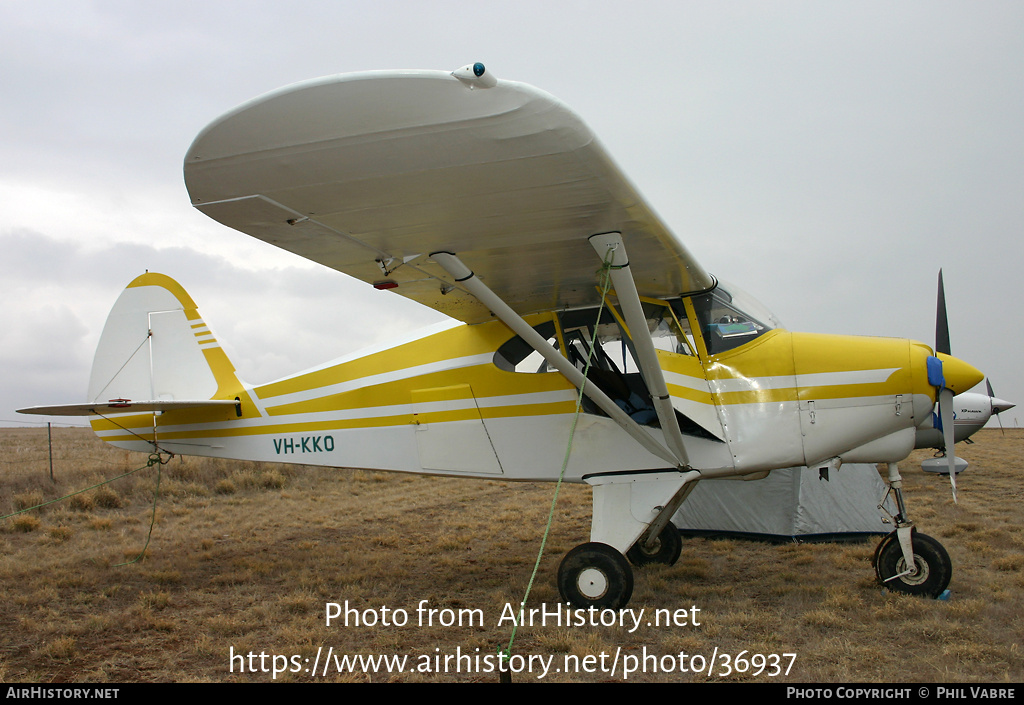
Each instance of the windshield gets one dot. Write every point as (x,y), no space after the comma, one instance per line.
(729,318)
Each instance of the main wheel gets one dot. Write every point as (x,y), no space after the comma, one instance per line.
(666,548)
(595,575)
(931,572)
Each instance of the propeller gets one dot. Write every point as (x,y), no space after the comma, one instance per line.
(941,322)
(945,395)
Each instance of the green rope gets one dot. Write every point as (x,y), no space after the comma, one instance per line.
(152,518)
(605,286)
(154,459)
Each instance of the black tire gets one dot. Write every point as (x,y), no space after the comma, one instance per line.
(666,549)
(934,568)
(595,575)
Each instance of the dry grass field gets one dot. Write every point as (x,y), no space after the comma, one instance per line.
(244,559)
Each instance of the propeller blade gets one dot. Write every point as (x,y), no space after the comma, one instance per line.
(945,395)
(941,322)
(946,417)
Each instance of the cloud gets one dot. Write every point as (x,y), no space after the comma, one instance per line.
(828,158)
(271,321)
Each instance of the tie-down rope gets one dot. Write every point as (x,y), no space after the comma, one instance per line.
(154,459)
(605,286)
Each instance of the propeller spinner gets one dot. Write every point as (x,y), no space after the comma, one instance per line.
(997,406)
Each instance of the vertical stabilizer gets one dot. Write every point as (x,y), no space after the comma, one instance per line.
(156,346)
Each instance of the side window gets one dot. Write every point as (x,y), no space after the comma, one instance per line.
(613,350)
(666,331)
(580,331)
(516,355)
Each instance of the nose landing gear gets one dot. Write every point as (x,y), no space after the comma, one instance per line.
(928,576)
(907,561)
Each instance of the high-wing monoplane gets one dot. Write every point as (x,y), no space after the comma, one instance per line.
(491,202)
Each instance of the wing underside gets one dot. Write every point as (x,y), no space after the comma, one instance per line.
(370,173)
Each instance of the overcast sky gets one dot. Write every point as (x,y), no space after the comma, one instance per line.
(828,157)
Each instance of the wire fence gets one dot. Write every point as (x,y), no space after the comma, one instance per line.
(53,452)
(40,463)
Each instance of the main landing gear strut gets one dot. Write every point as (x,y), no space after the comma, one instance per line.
(907,561)
(631,524)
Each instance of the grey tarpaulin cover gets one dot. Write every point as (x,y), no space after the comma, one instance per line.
(790,503)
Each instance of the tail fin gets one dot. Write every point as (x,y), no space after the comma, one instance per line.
(155,346)
(156,356)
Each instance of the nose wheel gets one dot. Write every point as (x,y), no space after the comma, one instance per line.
(929,575)
(595,575)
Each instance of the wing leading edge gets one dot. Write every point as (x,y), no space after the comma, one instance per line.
(370,173)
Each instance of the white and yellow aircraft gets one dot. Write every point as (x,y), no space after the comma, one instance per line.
(493,203)
(971,411)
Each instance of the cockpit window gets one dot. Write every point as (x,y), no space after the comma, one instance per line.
(724,324)
(516,355)
(613,349)
(666,333)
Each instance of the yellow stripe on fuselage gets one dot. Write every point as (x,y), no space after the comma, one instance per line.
(462,341)
(145,431)
(486,381)
(786,367)
(777,367)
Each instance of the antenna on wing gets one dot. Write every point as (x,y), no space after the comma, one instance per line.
(475,76)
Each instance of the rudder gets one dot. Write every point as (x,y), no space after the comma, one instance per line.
(156,346)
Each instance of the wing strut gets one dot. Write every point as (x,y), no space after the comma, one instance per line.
(465,276)
(610,244)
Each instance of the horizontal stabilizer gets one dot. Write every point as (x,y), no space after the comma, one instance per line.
(121,406)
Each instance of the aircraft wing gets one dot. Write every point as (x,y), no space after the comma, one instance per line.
(370,173)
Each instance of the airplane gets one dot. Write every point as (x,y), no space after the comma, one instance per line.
(971,411)
(492,202)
